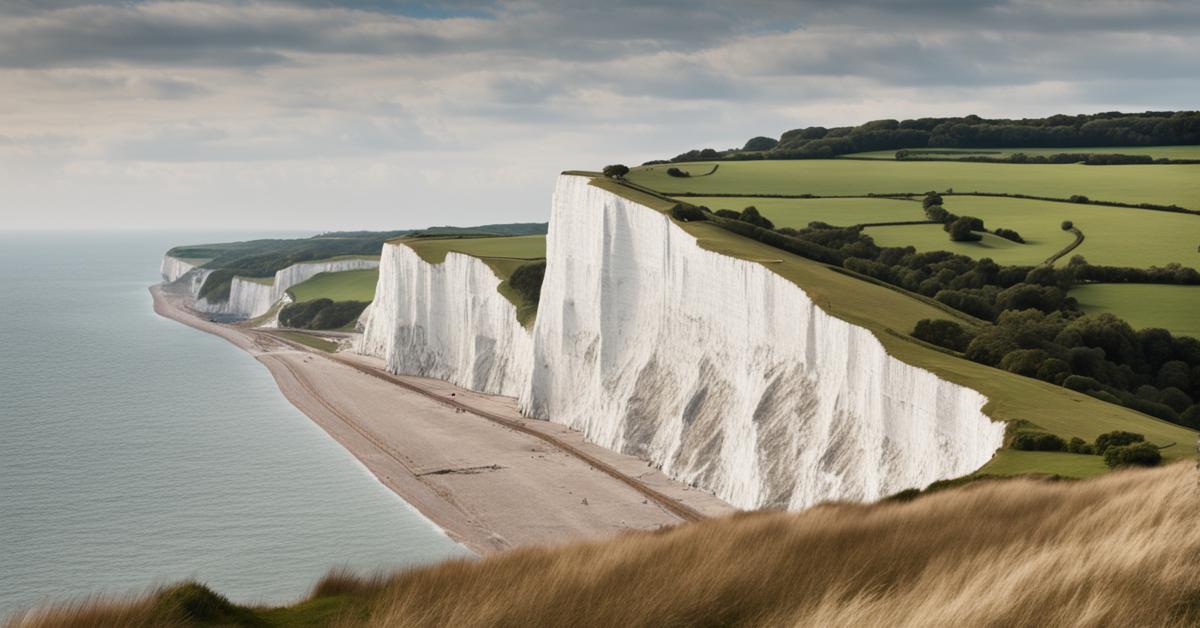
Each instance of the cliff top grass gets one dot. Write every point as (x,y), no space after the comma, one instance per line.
(348,285)
(1174,308)
(890,314)
(503,254)
(1159,184)
(1157,152)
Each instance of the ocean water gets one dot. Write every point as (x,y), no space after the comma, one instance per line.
(136,451)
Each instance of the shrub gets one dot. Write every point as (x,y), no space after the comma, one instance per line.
(728,213)
(1067,225)
(616,171)
(942,333)
(1176,399)
(687,213)
(1030,440)
(961,230)
(1054,371)
(676,172)
(964,302)
(1081,383)
(1080,446)
(1116,439)
(1142,455)
(1009,234)
(1191,417)
(1079,198)
(527,280)
(321,314)
(1024,361)
(937,213)
(751,215)
(931,199)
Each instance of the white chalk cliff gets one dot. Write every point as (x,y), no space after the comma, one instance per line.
(187,274)
(447,321)
(716,369)
(248,299)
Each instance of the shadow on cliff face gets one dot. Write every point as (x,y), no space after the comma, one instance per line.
(1123,549)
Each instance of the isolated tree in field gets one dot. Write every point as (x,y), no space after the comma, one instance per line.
(1067,225)
(616,171)
(960,230)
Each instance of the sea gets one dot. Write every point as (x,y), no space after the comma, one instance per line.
(136,452)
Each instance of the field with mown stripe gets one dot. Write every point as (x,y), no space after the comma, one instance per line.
(1158,184)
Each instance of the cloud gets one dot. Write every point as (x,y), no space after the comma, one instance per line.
(478,104)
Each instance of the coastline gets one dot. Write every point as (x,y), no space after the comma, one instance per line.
(489,477)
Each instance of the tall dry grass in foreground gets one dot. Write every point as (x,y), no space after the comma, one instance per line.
(1120,550)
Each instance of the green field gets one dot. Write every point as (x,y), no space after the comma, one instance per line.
(1163,185)
(349,285)
(1175,308)
(890,314)
(502,254)
(1157,152)
(841,212)
(1114,236)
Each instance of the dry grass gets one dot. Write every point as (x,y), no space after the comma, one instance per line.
(1122,549)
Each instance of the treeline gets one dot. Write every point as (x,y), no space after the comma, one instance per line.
(1119,448)
(1148,370)
(1151,128)
(1038,329)
(321,314)
(1090,159)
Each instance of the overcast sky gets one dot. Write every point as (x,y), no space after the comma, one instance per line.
(390,114)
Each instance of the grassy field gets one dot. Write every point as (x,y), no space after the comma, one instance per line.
(502,254)
(841,212)
(1165,185)
(1115,236)
(1176,308)
(890,315)
(1157,152)
(349,285)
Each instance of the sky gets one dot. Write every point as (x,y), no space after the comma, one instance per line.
(322,115)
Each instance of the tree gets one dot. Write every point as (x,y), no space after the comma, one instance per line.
(1030,440)
(942,333)
(616,171)
(1142,455)
(1010,234)
(1067,225)
(751,215)
(1116,439)
(760,143)
(960,230)
(931,199)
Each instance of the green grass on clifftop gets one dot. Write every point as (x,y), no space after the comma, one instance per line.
(1160,184)
(349,285)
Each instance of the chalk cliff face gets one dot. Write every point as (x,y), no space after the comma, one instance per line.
(446,321)
(174,269)
(248,299)
(726,374)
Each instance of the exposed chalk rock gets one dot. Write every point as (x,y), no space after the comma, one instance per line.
(726,374)
(446,321)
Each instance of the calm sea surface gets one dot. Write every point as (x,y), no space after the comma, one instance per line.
(136,451)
